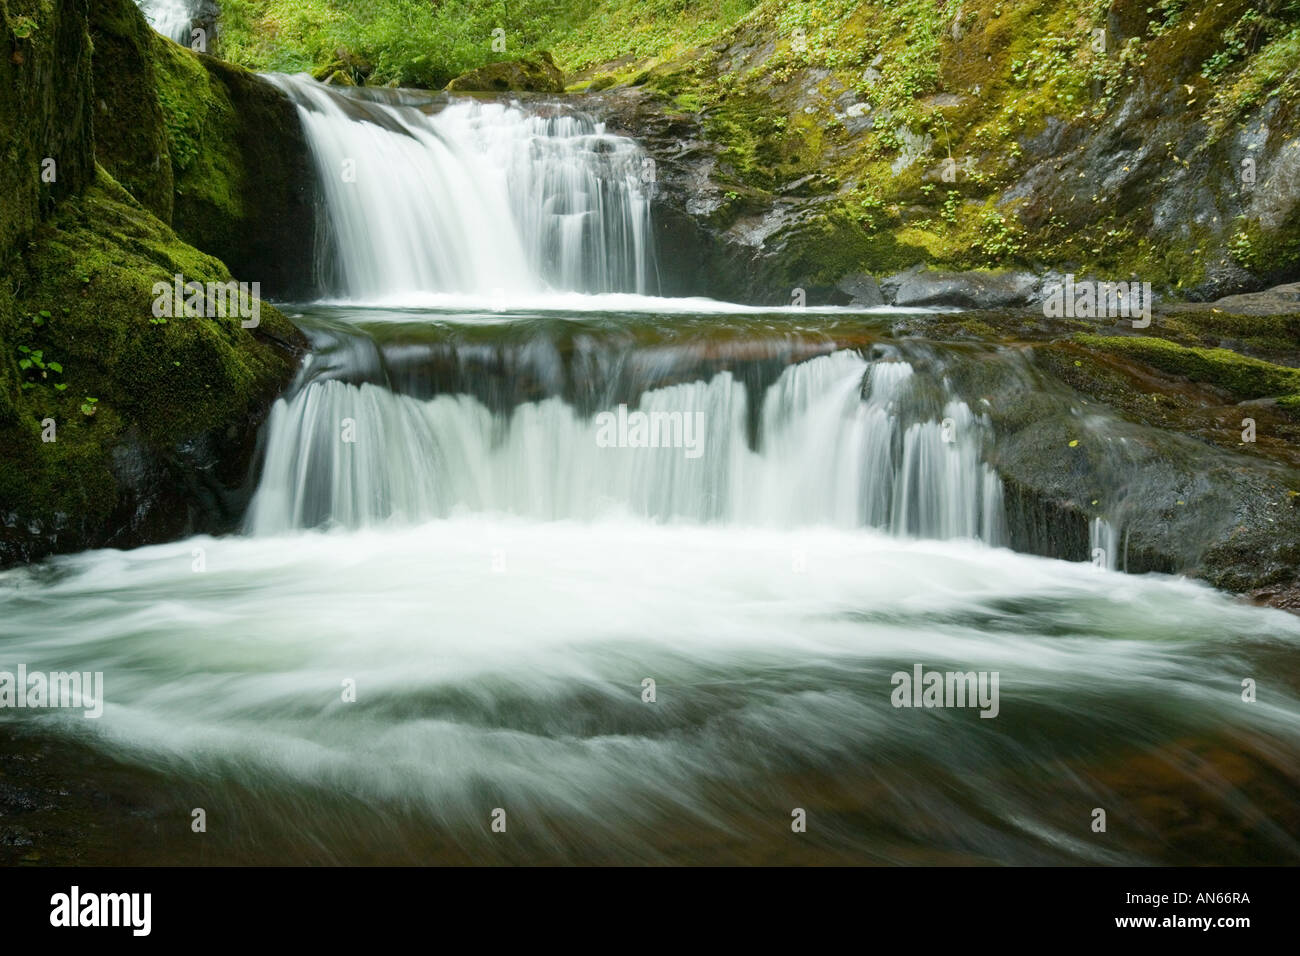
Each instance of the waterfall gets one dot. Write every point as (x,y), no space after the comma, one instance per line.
(825,455)
(474,197)
(1104,544)
(171,18)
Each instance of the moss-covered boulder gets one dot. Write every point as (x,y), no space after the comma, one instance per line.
(118,426)
(531,74)
(244,182)
(131,135)
(211,149)
(345,68)
(128,427)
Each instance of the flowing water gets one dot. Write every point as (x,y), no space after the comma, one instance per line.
(171,18)
(427,198)
(471,588)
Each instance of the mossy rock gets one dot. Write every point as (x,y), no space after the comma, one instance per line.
(345,69)
(532,74)
(244,181)
(1239,376)
(130,133)
(178,402)
(46,126)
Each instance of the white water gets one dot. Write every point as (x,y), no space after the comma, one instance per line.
(499,663)
(474,306)
(171,18)
(824,456)
(478,199)
(497,587)
(1104,544)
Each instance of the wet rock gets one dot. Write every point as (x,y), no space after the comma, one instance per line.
(967,290)
(1279,300)
(861,289)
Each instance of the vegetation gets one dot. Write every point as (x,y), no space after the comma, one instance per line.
(416,43)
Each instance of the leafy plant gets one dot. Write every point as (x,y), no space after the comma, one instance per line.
(36,370)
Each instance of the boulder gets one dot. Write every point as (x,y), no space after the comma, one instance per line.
(963,290)
(531,74)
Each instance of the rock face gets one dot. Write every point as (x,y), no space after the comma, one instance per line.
(1083,434)
(46,122)
(531,74)
(248,195)
(783,169)
(132,136)
(117,427)
(209,148)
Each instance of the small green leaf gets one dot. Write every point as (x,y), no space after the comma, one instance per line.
(60,386)
(24,364)
(45,313)
(55,367)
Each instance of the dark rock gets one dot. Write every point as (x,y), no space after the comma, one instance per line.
(861,289)
(263,225)
(966,290)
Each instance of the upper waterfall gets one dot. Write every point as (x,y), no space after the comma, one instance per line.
(477,198)
(171,18)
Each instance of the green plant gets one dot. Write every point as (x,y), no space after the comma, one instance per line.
(36,370)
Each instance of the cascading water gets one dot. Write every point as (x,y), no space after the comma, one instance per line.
(825,455)
(456,526)
(171,18)
(475,198)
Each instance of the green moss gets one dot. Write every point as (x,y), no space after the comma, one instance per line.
(92,268)
(131,140)
(1210,327)
(1266,253)
(1241,377)
(201,133)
